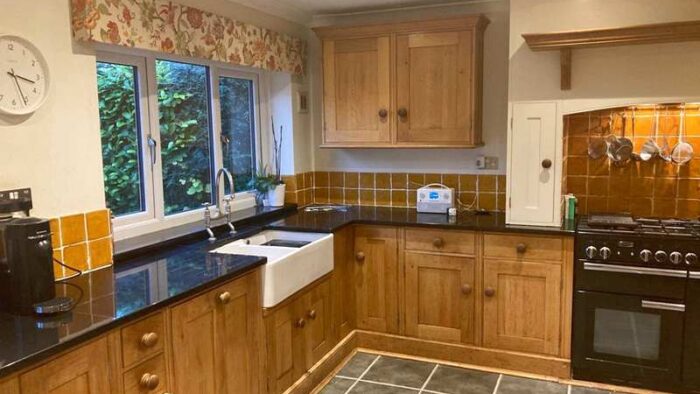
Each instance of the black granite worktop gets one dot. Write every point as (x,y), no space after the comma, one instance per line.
(334,220)
(142,282)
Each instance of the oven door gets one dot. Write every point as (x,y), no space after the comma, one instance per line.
(627,339)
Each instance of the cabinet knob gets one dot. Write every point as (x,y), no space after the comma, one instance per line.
(301,323)
(149,381)
(225,297)
(438,242)
(521,248)
(402,112)
(149,339)
(312,314)
(546,163)
(466,289)
(490,292)
(360,257)
(383,113)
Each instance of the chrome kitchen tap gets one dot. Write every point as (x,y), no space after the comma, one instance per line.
(226,211)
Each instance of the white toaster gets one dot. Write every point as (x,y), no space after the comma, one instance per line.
(435,198)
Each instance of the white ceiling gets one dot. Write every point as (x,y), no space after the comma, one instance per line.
(303,10)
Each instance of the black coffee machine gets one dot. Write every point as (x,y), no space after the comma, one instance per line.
(26,259)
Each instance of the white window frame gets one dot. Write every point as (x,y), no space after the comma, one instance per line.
(129,226)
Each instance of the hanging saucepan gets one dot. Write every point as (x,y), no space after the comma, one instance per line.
(597,147)
(650,148)
(683,152)
(664,148)
(620,149)
(635,155)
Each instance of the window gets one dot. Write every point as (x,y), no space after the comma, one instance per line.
(167,126)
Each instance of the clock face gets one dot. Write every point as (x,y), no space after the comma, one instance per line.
(24,76)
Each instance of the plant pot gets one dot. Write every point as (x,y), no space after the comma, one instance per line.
(275,197)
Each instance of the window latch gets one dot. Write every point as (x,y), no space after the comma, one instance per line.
(152,146)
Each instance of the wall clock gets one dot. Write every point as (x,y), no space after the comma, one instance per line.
(24,76)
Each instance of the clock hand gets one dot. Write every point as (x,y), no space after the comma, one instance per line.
(21,94)
(21,77)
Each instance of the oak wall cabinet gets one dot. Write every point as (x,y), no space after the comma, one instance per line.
(409,84)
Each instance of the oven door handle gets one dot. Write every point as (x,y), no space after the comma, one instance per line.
(666,306)
(634,270)
(694,275)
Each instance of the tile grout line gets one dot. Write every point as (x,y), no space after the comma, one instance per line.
(498,383)
(568,390)
(388,384)
(362,374)
(425,384)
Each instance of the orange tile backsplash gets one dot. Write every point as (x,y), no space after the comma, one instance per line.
(653,188)
(391,189)
(82,241)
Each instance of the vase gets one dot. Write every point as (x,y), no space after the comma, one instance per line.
(275,197)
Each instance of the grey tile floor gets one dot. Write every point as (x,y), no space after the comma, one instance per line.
(374,374)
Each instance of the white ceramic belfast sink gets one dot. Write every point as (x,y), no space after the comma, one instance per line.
(294,260)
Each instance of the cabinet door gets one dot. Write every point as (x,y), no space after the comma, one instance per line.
(522,306)
(439,297)
(217,339)
(434,88)
(85,370)
(532,165)
(376,278)
(356,92)
(318,335)
(285,346)
(343,291)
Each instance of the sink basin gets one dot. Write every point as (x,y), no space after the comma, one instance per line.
(294,260)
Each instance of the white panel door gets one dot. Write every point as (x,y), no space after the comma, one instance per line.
(532,164)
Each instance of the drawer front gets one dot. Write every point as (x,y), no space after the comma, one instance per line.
(149,377)
(142,339)
(447,241)
(521,246)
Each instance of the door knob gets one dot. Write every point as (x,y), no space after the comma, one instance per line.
(490,292)
(360,257)
(466,289)
(225,297)
(149,339)
(383,113)
(149,381)
(438,242)
(521,248)
(402,112)
(546,163)
(301,323)
(312,314)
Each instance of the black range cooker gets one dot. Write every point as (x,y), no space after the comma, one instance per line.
(637,302)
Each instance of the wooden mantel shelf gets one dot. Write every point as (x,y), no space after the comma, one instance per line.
(631,35)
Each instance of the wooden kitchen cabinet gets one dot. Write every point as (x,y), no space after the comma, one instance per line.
(85,370)
(217,339)
(439,299)
(408,84)
(522,306)
(376,278)
(299,333)
(343,289)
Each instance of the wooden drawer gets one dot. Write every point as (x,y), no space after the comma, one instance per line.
(142,339)
(521,246)
(136,380)
(447,241)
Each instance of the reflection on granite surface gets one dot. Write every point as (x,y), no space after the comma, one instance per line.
(112,296)
(332,221)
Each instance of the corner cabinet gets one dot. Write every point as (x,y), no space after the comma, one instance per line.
(410,84)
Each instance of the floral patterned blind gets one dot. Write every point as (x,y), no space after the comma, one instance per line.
(164,26)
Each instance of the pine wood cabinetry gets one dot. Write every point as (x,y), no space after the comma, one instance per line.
(343,288)
(85,370)
(299,333)
(408,84)
(376,278)
(9,386)
(217,339)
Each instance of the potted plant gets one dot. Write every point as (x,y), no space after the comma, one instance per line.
(269,185)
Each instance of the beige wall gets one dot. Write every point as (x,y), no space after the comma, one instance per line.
(661,70)
(57,151)
(416,160)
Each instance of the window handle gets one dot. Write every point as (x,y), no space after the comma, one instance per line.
(152,146)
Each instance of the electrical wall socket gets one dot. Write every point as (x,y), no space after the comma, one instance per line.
(487,163)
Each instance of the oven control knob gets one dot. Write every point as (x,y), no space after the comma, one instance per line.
(591,252)
(605,252)
(660,256)
(691,258)
(645,255)
(676,258)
